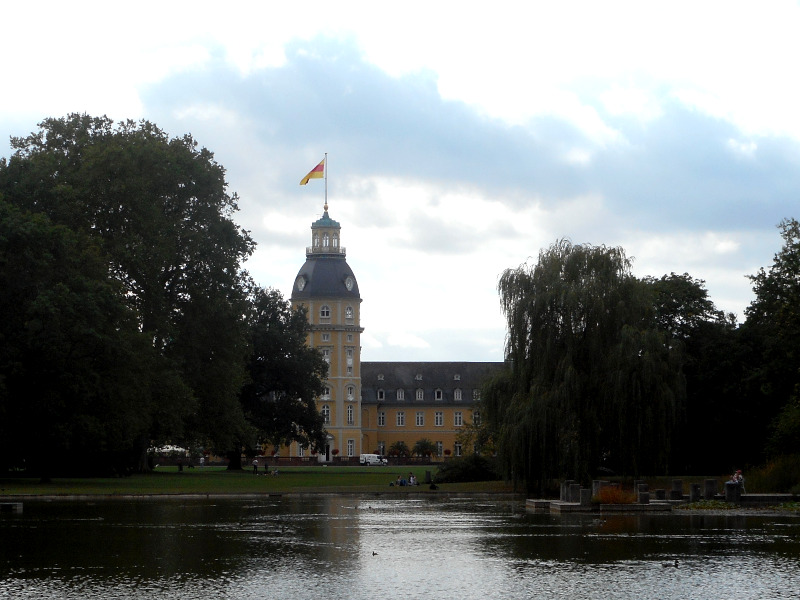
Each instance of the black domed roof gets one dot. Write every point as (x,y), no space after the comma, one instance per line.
(325,276)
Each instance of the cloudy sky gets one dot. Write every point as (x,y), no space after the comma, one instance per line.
(460,141)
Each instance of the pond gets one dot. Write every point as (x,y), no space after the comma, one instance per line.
(385,547)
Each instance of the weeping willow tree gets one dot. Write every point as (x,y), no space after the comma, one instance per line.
(592,382)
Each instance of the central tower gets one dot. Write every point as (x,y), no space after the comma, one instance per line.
(327,287)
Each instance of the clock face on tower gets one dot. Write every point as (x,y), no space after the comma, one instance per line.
(349,283)
(301,283)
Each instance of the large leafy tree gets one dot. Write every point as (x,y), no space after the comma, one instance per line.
(773,325)
(593,381)
(715,367)
(79,382)
(159,211)
(285,374)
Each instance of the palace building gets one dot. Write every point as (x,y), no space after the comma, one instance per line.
(369,406)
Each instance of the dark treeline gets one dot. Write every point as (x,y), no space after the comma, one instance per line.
(127,318)
(609,373)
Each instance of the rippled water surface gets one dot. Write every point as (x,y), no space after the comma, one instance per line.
(354,548)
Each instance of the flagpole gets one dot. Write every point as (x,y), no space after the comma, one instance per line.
(326,181)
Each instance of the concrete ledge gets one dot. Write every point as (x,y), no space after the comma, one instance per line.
(559,507)
(531,504)
(11,507)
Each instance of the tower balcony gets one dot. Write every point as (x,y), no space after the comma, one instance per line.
(322,251)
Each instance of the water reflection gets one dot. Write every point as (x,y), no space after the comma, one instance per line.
(386,547)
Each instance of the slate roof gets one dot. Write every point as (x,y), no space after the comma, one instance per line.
(444,376)
(325,277)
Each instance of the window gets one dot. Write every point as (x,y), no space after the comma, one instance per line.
(381,448)
(326,393)
(301,450)
(325,240)
(316,240)
(438,418)
(438,395)
(381,395)
(457,449)
(350,419)
(401,395)
(351,393)
(456,377)
(349,369)
(458,418)
(476,418)
(348,312)
(401,418)
(335,241)
(349,337)
(381,418)
(326,355)
(380,377)
(418,377)
(325,311)
(326,337)
(420,395)
(326,414)
(457,395)
(351,447)
(476,394)
(439,448)
(420,418)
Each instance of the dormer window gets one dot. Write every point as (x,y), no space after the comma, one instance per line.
(381,395)
(438,395)
(380,377)
(457,395)
(456,377)
(420,394)
(418,377)
(401,395)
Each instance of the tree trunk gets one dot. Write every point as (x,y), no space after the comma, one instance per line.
(234,460)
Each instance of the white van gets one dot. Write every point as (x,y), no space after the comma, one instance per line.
(372,459)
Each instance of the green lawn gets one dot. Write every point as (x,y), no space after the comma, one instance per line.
(216,480)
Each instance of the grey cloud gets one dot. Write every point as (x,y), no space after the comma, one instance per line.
(676,171)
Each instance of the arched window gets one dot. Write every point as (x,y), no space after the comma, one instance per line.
(457,395)
(401,395)
(335,241)
(351,393)
(348,312)
(326,414)
(350,420)
(316,240)
(325,240)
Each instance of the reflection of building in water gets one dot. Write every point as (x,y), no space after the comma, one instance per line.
(369,406)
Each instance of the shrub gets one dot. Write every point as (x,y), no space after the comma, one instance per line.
(614,494)
(780,475)
(472,467)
